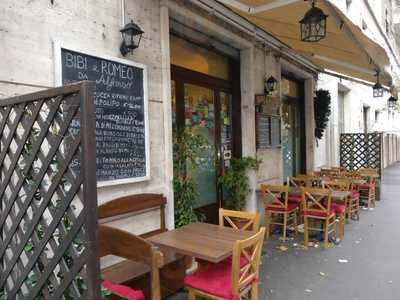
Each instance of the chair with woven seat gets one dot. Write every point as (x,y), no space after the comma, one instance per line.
(239,219)
(317,205)
(277,203)
(230,281)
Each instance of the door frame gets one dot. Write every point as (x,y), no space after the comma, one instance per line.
(302,108)
(232,86)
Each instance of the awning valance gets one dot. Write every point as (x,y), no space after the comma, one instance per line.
(345,50)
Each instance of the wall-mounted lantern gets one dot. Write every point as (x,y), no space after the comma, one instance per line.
(377,88)
(313,25)
(392,102)
(270,85)
(131,36)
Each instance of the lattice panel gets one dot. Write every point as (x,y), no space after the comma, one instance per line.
(48,201)
(361,150)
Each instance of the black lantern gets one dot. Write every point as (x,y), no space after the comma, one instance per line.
(313,25)
(270,85)
(377,88)
(131,35)
(392,102)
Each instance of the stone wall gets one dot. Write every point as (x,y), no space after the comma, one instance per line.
(27,32)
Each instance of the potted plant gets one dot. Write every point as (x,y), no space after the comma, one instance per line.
(187,146)
(235,183)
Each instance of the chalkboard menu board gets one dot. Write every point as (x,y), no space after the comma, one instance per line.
(120,100)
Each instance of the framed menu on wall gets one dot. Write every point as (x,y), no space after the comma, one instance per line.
(121,107)
(268,122)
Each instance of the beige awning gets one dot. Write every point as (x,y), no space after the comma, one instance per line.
(345,50)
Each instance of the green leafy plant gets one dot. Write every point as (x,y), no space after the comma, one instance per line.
(235,182)
(187,147)
(322,111)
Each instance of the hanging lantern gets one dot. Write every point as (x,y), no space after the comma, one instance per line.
(377,88)
(313,25)
(131,35)
(392,102)
(270,85)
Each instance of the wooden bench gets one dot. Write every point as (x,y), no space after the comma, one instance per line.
(132,273)
(135,250)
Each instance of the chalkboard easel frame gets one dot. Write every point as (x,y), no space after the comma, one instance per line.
(57,50)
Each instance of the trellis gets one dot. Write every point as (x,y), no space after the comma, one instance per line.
(48,205)
(361,150)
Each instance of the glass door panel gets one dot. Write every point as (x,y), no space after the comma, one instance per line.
(200,115)
(291,137)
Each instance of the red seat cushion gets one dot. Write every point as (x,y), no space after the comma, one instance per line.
(215,280)
(122,290)
(319,213)
(355,195)
(295,199)
(339,208)
(291,206)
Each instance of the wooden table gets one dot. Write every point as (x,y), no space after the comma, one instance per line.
(208,242)
(336,195)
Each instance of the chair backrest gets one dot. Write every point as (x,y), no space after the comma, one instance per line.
(303,180)
(338,185)
(244,275)
(239,219)
(297,181)
(276,196)
(113,241)
(317,200)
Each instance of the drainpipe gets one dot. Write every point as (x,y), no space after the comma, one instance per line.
(122,13)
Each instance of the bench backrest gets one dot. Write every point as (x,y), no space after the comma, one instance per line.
(135,204)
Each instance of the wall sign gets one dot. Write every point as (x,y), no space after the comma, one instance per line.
(121,104)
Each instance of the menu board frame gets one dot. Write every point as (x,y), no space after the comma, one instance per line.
(57,52)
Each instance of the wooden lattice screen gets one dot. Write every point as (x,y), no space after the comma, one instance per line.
(360,150)
(48,220)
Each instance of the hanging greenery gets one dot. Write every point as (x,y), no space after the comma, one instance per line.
(322,112)
(187,147)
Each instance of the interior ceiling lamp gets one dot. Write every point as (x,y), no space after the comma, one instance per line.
(377,88)
(131,36)
(270,85)
(392,102)
(313,25)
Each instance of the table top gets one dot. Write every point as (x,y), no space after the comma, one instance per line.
(336,195)
(202,240)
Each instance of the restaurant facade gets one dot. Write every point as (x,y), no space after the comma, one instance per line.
(206,67)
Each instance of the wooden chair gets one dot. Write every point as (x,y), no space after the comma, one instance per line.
(277,204)
(239,219)
(135,274)
(317,204)
(113,241)
(368,190)
(342,209)
(237,280)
